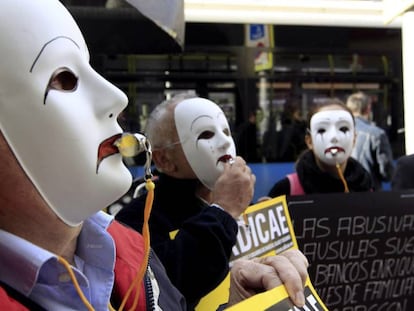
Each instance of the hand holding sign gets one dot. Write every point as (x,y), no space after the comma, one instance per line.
(248,277)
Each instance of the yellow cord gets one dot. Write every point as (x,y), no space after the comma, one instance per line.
(140,274)
(75,283)
(341,176)
(146,236)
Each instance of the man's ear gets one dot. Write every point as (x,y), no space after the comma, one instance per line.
(162,161)
(308,141)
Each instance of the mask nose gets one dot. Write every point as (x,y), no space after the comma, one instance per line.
(333,134)
(225,141)
(110,98)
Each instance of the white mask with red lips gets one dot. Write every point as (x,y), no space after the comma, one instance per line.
(56,130)
(205,137)
(332,133)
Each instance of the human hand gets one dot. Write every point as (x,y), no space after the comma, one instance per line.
(249,277)
(233,190)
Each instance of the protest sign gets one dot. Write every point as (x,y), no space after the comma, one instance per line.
(360,247)
(265,230)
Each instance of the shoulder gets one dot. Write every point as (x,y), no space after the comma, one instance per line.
(405,163)
(281,187)
(407,159)
(132,213)
(402,177)
(129,243)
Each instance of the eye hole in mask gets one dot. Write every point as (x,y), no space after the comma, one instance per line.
(64,80)
(205,135)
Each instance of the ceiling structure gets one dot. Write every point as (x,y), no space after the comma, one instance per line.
(120,23)
(354,13)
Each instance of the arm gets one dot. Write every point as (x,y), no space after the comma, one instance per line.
(197,257)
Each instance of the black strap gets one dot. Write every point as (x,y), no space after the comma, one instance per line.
(25,301)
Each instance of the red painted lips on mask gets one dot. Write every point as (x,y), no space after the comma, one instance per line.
(225,158)
(106,149)
(334,150)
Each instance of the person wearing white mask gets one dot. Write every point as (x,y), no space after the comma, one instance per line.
(59,168)
(201,191)
(327,165)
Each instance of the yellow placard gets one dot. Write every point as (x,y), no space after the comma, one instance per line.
(267,230)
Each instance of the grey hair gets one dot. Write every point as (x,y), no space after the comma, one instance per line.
(160,123)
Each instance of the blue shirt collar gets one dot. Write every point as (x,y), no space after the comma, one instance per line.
(24,265)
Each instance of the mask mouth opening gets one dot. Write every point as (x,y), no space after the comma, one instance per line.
(107,148)
(334,150)
(225,158)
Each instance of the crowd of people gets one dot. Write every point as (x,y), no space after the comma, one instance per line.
(61,167)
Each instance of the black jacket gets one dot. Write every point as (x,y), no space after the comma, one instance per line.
(197,259)
(403,178)
(313,180)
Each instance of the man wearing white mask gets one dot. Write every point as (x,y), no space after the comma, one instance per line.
(203,187)
(58,168)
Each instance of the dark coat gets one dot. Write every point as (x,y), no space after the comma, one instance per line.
(197,259)
(403,178)
(313,180)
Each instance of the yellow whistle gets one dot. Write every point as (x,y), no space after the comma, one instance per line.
(130,145)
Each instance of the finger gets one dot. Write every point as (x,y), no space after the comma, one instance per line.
(248,277)
(300,262)
(290,276)
(239,161)
(227,165)
(251,276)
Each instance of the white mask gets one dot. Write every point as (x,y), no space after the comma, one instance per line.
(332,134)
(56,134)
(205,136)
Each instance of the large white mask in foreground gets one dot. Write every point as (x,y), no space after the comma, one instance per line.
(205,136)
(57,114)
(332,134)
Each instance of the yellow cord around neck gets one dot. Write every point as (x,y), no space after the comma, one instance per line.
(341,176)
(141,272)
(85,301)
(146,236)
